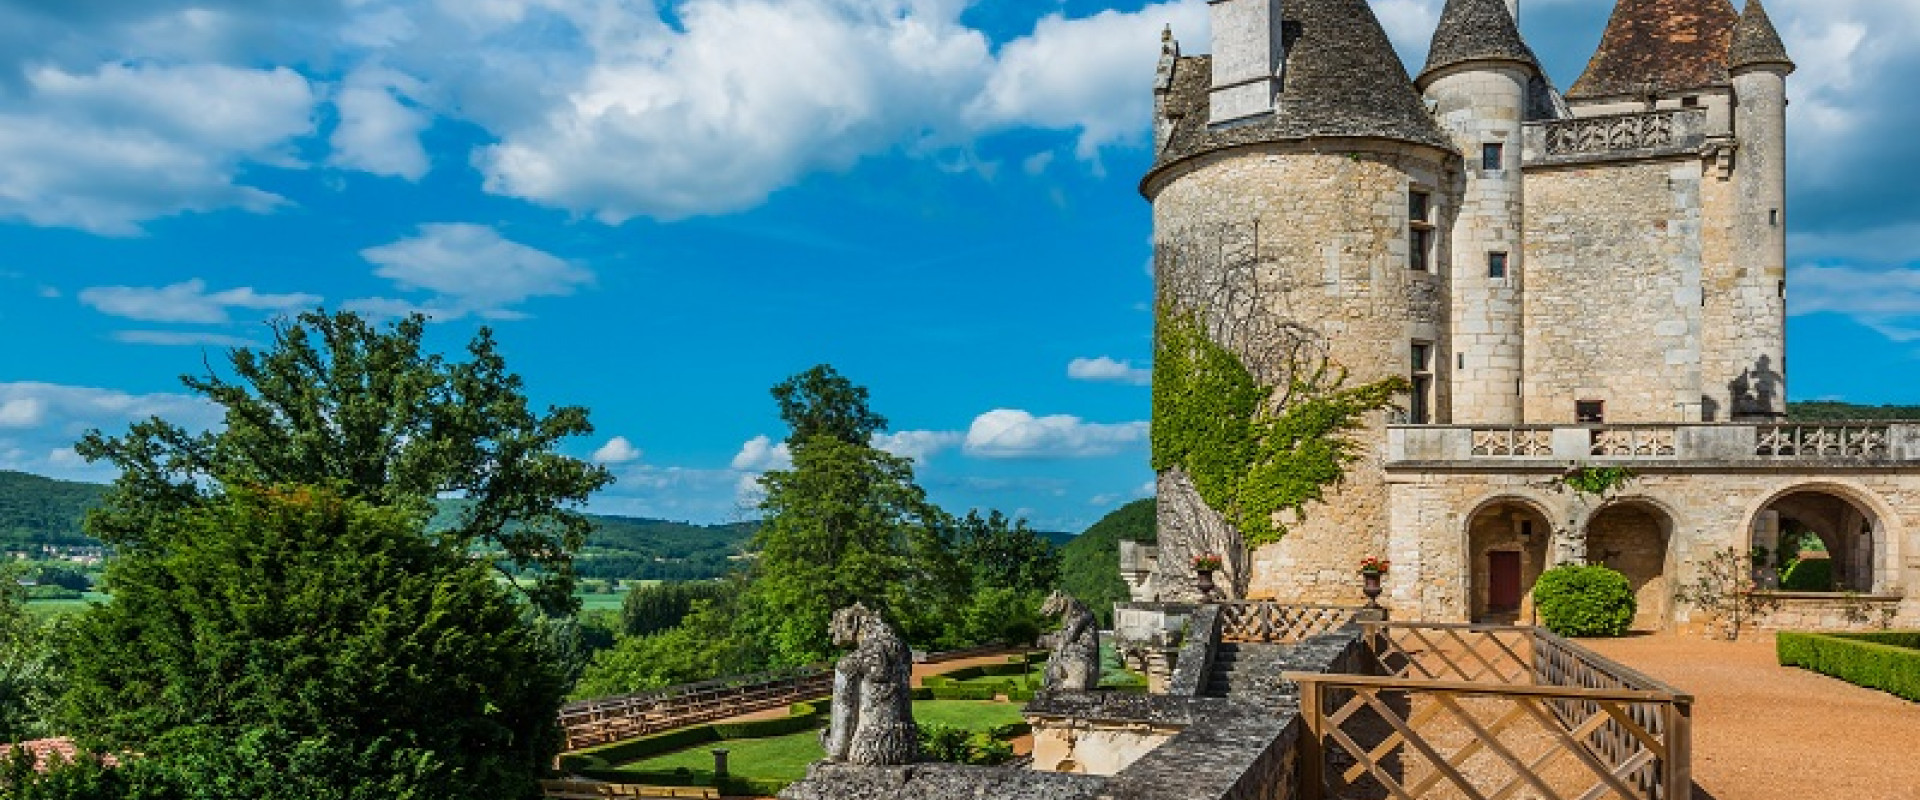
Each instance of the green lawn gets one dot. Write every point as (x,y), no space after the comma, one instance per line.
(53,608)
(785,758)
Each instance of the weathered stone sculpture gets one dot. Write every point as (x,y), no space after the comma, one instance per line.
(872,721)
(1075,665)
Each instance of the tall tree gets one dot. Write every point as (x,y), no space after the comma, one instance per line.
(337,401)
(26,668)
(822,402)
(292,642)
(1006,554)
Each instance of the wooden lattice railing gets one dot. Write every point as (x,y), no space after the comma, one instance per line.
(616,718)
(1258,621)
(1490,713)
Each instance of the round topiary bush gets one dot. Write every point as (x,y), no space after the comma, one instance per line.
(1585,601)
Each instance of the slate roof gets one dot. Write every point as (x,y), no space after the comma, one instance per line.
(1756,41)
(1476,30)
(1666,45)
(1342,79)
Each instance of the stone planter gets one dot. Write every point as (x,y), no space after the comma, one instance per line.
(1371,588)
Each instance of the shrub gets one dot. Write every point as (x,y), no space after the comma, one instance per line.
(1808,575)
(1585,601)
(1856,659)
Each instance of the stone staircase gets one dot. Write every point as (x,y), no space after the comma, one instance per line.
(1251,672)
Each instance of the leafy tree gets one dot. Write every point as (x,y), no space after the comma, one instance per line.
(822,402)
(336,401)
(655,608)
(1006,555)
(296,642)
(27,672)
(708,643)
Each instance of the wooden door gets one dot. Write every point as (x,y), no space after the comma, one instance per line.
(1504,591)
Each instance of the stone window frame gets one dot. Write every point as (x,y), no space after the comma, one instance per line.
(1590,412)
(1499,265)
(1422,234)
(1420,360)
(1493,156)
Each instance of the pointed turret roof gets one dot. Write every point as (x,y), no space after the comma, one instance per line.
(1662,45)
(1342,79)
(1755,41)
(1476,30)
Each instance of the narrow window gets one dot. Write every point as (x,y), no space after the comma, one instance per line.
(1492,156)
(1689,102)
(1590,412)
(1420,231)
(1421,410)
(1497,265)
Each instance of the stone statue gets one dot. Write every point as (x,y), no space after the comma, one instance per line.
(1075,665)
(872,720)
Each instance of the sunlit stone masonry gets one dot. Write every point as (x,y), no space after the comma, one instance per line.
(1587,279)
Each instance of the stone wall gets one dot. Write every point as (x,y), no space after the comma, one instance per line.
(1613,290)
(1703,508)
(1288,249)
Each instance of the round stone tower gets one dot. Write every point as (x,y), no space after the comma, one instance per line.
(1479,78)
(1302,198)
(1758,62)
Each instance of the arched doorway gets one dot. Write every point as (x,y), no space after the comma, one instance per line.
(1632,538)
(1507,547)
(1815,525)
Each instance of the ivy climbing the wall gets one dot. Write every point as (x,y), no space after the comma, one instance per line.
(1251,456)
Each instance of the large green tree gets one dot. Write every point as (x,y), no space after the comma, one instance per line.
(336,400)
(295,642)
(26,664)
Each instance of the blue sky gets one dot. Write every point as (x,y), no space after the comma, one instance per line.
(665,208)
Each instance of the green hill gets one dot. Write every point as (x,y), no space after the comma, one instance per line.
(1090,564)
(1822,412)
(36,511)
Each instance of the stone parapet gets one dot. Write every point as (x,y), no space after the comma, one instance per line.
(1615,137)
(1787,445)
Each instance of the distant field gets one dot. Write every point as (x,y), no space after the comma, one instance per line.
(51,608)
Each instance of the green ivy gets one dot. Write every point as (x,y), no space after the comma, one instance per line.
(1249,460)
(1597,481)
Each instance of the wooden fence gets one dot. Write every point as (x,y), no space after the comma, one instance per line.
(591,790)
(1255,621)
(1489,713)
(613,719)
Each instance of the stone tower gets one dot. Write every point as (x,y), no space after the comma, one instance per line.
(1302,194)
(1481,80)
(1757,290)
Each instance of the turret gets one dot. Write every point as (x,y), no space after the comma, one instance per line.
(1758,64)
(1478,76)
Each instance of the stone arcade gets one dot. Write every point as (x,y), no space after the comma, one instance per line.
(1596,278)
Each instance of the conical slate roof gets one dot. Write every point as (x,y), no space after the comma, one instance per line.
(1342,79)
(1476,30)
(1756,41)
(1662,45)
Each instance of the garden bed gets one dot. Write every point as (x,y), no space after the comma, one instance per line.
(1888,661)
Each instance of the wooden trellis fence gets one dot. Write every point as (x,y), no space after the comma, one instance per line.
(616,718)
(1491,713)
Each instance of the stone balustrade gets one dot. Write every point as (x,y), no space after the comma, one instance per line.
(1721,444)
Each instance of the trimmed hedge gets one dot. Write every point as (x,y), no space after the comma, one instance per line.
(1579,601)
(1859,659)
(1808,575)
(1906,639)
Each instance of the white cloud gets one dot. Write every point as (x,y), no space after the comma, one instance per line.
(124,143)
(39,422)
(761,454)
(1887,301)
(617,450)
(187,302)
(918,445)
(1012,433)
(379,129)
(183,339)
(471,269)
(1108,370)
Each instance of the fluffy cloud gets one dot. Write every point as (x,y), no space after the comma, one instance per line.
(918,445)
(183,339)
(617,450)
(761,453)
(470,269)
(39,422)
(105,149)
(380,129)
(187,302)
(1108,370)
(1887,301)
(1012,433)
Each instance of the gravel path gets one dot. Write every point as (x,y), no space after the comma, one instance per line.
(1766,732)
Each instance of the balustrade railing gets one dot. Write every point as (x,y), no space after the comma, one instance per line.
(1610,134)
(1700,441)
(1513,442)
(1636,441)
(1825,441)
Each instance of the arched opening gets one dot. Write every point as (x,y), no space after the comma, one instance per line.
(1818,540)
(1631,537)
(1507,543)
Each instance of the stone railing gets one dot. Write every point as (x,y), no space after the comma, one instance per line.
(1877,442)
(1615,136)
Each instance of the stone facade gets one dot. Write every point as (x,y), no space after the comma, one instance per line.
(1597,279)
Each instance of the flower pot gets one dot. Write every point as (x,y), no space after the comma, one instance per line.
(1371,588)
(1203,580)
